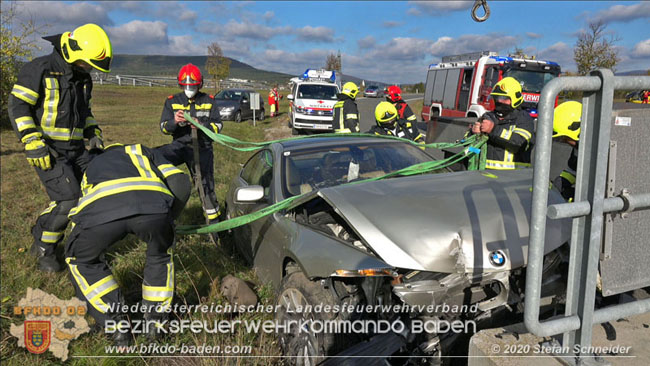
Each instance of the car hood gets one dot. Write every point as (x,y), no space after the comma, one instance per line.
(450,222)
(226,103)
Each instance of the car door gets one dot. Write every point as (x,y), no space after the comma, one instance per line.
(257,171)
(246,112)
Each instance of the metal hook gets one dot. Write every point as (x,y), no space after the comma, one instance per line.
(486,9)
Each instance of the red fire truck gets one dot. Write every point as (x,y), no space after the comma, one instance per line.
(460,85)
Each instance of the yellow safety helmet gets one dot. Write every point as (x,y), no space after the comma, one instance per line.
(88,43)
(511,88)
(385,114)
(350,89)
(566,120)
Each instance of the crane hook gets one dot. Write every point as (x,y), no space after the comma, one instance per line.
(486,9)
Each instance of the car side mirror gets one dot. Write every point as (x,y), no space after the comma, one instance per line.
(290,96)
(249,194)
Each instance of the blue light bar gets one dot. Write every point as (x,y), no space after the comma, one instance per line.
(432,65)
(552,63)
(501,58)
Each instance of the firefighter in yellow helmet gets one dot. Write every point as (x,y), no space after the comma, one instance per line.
(389,123)
(346,113)
(566,129)
(50,110)
(509,128)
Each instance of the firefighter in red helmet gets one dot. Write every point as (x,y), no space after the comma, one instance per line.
(394,96)
(203,109)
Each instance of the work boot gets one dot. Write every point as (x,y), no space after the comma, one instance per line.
(46,262)
(154,324)
(120,338)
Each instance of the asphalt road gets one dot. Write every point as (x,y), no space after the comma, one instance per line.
(367,110)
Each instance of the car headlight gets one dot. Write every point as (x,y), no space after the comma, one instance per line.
(300,109)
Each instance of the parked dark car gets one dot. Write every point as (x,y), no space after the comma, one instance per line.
(371,92)
(235,105)
(456,238)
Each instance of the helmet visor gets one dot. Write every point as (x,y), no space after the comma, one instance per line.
(102,65)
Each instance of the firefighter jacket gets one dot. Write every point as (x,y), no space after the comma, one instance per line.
(403,129)
(346,115)
(202,108)
(510,140)
(405,112)
(566,182)
(123,181)
(51,100)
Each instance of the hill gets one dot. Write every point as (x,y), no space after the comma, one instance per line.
(157,65)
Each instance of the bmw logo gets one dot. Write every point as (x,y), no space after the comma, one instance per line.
(497,258)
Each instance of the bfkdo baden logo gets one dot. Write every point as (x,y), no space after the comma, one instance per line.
(38,334)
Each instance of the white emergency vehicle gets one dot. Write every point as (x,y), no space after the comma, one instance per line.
(312,99)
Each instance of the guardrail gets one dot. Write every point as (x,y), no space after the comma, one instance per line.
(588,209)
(150,81)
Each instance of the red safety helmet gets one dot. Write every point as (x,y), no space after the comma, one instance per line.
(394,93)
(190,75)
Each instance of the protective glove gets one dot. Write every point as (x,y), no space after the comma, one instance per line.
(38,154)
(95,142)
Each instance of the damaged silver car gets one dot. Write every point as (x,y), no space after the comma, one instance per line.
(422,249)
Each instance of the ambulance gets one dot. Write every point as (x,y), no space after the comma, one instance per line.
(312,99)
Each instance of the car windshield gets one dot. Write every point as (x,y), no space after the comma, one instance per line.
(315,91)
(308,170)
(372,87)
(228,95)
(531,81)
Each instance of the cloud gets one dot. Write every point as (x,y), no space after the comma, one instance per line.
(247,30)
(139,37)
(641,49)
(315,34)
(532,35)
(291,62)
(391,24)
(437,8)
(444,46)
(268,15)
(624,13)
(61,17)
(366,42)
(561,53)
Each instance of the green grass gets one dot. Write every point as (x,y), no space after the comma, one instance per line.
(129,115)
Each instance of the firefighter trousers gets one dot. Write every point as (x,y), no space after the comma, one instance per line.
(62,183)
(92,278)
(179,153)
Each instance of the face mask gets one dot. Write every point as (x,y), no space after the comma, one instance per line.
(502,109)
(191,90)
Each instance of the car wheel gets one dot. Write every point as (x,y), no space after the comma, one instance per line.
(295,131)
(238,117)
(303,347)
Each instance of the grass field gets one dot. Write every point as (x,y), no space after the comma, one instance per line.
(130,115)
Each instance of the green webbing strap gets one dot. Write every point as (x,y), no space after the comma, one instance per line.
(232,142)
(475,150)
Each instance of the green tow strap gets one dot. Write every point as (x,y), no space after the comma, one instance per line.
(474,149)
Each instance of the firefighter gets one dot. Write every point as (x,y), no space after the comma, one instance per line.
(202,108)
(346,113)
(127,189)
(509,129)
(49,108)
(566,129)
(389,123)
(394,96)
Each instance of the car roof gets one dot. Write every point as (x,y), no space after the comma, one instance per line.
(238,90)
(320,142)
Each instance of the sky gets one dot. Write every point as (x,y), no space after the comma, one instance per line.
(388,41)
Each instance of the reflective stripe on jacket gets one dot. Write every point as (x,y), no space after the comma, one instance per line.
(510,140)
(346,115)
(124,181)
(51,100)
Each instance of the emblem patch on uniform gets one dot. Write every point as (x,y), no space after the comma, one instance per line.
(38,335)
